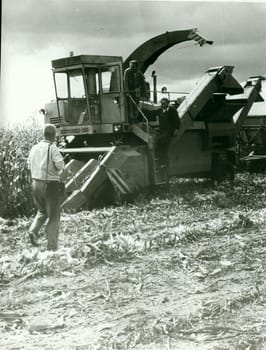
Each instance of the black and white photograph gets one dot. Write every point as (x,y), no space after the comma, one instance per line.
(133,175)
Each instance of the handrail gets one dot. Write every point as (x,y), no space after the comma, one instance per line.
(140,111)
(170,92)
(86,149)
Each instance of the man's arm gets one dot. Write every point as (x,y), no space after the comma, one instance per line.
(175,121)
(29,168)
(57,158)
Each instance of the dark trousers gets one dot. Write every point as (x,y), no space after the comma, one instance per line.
(132,108)
(162,148)
(47,200)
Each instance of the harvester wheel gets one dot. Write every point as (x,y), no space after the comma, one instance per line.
(223,169)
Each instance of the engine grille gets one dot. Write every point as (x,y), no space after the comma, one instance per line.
(54,120)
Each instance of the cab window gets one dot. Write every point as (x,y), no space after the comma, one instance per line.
(76,84)
(61,85)
(110,79)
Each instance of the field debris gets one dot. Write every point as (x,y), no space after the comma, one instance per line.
(179,269)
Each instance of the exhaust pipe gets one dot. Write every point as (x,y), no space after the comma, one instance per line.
(154,77)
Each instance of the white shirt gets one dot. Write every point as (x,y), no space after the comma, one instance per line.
(166,110)
(37,162)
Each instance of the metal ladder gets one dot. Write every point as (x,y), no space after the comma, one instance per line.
(159,172)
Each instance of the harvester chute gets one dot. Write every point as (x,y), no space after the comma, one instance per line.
(148,52)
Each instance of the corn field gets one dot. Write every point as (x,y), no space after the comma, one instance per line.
(15,191)
(182,267)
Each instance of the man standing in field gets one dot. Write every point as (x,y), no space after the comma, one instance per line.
(169,122)
(45,163)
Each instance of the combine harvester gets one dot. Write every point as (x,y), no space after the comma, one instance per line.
(108,155)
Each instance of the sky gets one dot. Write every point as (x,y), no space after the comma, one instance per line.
(35,32)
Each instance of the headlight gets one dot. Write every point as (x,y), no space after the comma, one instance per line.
(42,111)
(117,127)
(116,100)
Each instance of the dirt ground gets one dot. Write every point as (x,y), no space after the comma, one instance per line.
(183,268)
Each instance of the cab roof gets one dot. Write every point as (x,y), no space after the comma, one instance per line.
(84,59)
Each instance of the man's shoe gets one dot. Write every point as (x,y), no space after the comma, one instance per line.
(52,249)
(33,239)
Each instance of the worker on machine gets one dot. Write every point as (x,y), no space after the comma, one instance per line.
(169,122)
(135,87)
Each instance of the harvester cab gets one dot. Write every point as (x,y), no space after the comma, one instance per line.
(89,94)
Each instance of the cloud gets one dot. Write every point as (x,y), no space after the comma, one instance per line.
(191,61)
(38,24)
(35,32)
